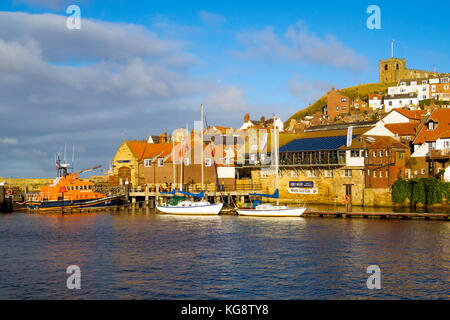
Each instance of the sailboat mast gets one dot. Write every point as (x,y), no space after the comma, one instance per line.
(276,158)
(182,162)
(173,161)
(202,144)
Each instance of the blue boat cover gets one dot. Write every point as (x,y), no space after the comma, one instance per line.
(315,144)
(196,195)
(171,192)
(275,195)
(256,203)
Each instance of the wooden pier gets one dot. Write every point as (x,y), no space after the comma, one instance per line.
(150,199)
(378,215)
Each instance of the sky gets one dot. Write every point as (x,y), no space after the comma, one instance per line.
(137,68)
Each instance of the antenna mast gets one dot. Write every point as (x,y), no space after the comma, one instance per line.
(392,48)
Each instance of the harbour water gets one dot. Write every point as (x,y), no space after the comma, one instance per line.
(142,255)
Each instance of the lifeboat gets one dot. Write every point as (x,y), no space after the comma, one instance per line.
(69,192)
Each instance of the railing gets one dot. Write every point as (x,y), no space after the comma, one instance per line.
(440,153)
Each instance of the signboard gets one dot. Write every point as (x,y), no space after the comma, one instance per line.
(302,190)
(301,184)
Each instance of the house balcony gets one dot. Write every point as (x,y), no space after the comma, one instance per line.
(439,154)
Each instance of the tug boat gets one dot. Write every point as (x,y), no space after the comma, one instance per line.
(69,192)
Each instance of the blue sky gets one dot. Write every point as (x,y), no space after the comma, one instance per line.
(144,67)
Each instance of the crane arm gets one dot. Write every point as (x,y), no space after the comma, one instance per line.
(89,169)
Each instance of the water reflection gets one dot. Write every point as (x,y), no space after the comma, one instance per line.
(136,255)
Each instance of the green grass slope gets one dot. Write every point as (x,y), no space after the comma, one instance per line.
(362,90)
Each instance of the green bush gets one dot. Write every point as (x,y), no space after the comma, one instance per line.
(419,190)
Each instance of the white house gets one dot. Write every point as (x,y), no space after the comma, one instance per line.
(400,101)
(375,101)
(275,122)
(419,86)
(379,130)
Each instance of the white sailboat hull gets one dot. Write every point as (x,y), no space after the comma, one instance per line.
(211,209)
(275,212)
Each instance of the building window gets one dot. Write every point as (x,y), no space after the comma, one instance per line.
(147,163)
(226,161)
(423,171)
(400,155)
(344,100)
(328,173)
(354,153)
(186,161)
(390,103)
(374,154)
(366,153)
(311,174)
(381,153)
(374,174)
(387,152)
(381,174)
(208,162)
(431,125)
(348,173)
(385,67)
(161,162)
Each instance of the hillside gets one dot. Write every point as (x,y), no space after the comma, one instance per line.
(362,90)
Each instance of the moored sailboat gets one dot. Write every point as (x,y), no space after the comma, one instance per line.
(260,209)
(189,207)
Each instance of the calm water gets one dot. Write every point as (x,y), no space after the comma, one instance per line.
(149,256)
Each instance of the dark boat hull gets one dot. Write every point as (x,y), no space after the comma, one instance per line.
(75,204)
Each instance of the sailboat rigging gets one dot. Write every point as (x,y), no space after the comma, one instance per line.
(259,208)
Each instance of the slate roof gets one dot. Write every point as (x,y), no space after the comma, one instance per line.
(315,144)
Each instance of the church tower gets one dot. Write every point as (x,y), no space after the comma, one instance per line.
(392,70)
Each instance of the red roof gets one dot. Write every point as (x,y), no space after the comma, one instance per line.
(411,114)
(442,118)
(402,129)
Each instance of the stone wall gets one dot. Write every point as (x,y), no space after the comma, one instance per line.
(377,197)
(328,185)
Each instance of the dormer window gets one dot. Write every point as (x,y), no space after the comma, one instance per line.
(161,162)
(147,163)
(431,125)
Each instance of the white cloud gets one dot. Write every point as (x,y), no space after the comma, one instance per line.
(93,89)
(212,19)
(50,4)
(308,90)
(10,141)
(299,45)
(227,98)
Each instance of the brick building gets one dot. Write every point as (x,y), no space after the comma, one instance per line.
(337,104)
(139,163)
(385,160)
